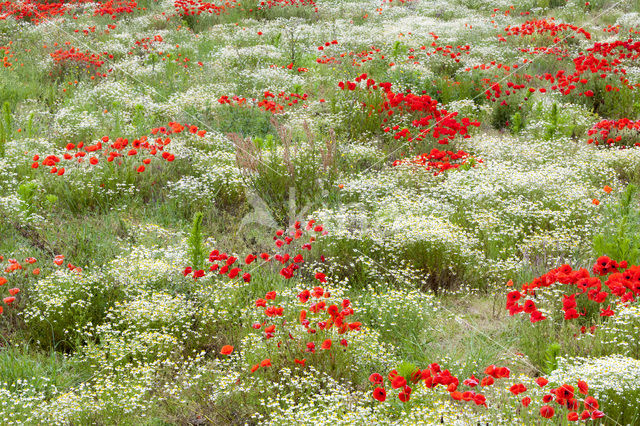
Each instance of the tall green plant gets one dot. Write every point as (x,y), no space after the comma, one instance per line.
(516,123)
(551,357)
(3,139)
(26,193)
(553,122)
(5,128)
(196,247)
(620,240)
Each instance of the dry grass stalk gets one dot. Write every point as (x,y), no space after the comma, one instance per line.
(285,137)
(248,155)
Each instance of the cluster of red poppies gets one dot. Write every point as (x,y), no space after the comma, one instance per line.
(86,58)
(620,133)
(447,51)
(32,10)
(268,4)
(115,7)
(274,103)
(413,53)
(281,239)
(38,11)
(314,318)
(148,44)
(29,268)
(198,7)
(321,312)
(544,26)
(565,396)
(13,266)
(7,54)
(438,161)
(615,29)
(622,282)
(116,151)
(433,376)
(72,56)
(589,69)
(429,120)
(357,58)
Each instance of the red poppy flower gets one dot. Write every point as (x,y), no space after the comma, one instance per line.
(398,382)
(355,325)
(546,411)
(379,394)
(583,387)
(537,316)
(572,404)
(541,381)
(480,399)
(503,373)
(517,389)
(607,312)
(405,394)
(417,374)
(529,306)
(326,344)
(392,375)
(471,382)
(376,379)
(570,314)
(565,391)
(513,297)
(234,272)
(590,403)
(487,381)
(226,350)
(304,295)
(333,310)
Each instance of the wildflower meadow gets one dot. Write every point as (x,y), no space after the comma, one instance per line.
(319,212)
